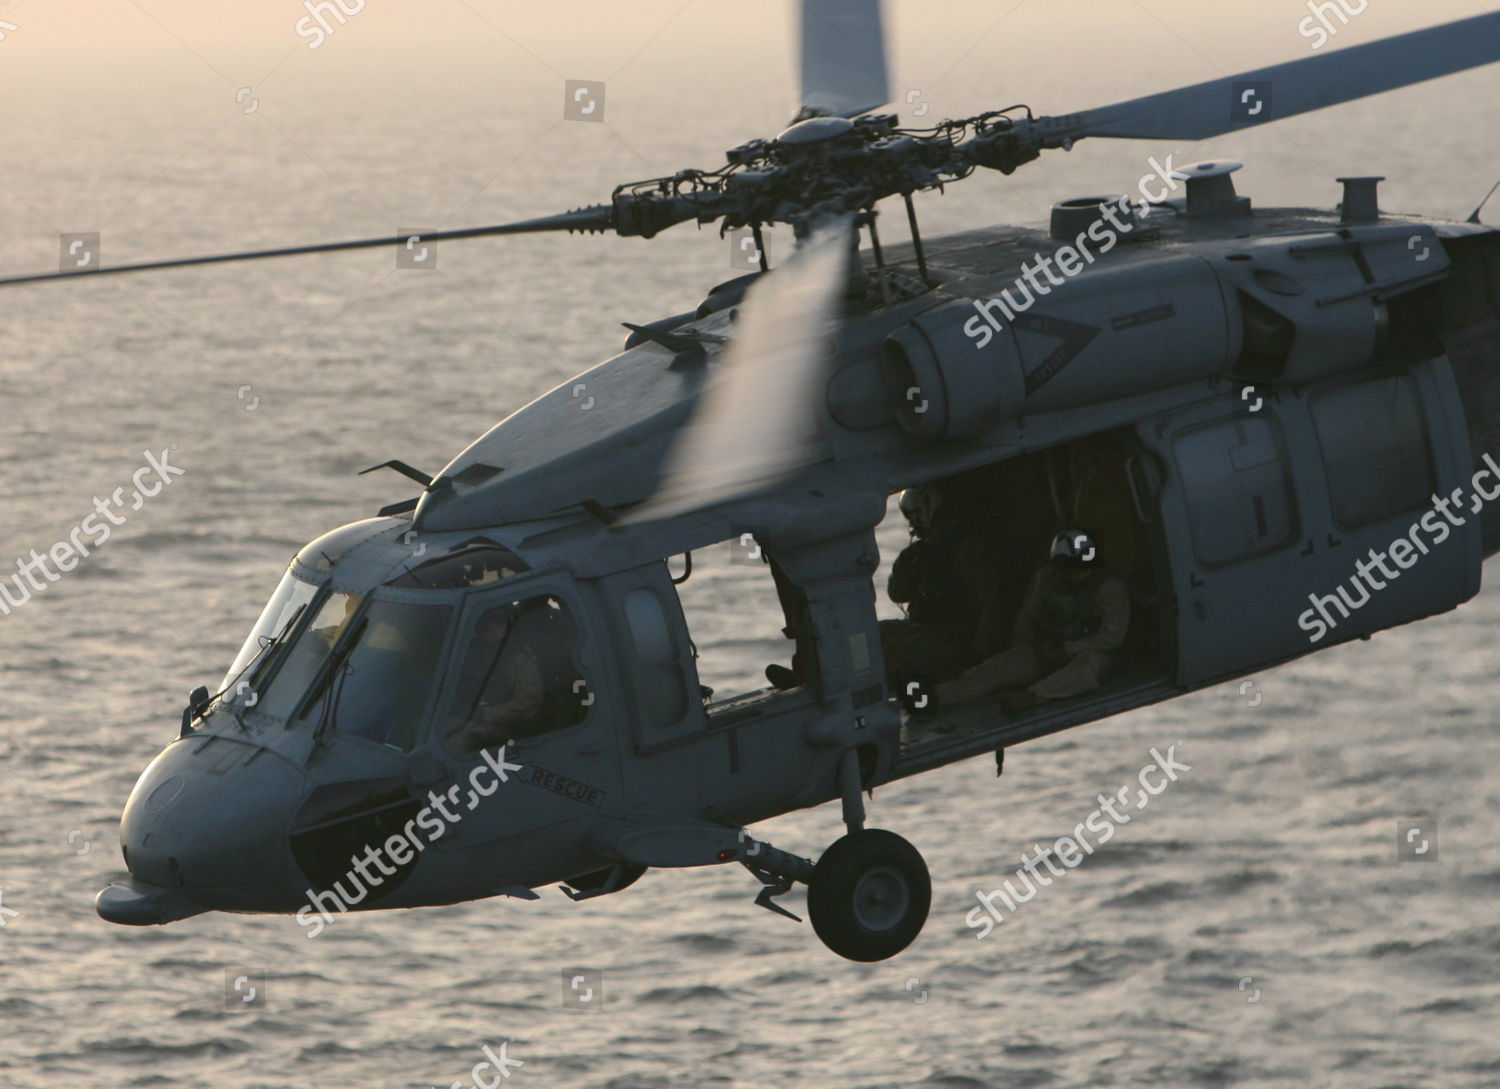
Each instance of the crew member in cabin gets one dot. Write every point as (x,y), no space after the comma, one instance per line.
(945,580)
(1074,618)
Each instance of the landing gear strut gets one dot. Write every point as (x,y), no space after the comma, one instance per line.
(869,894)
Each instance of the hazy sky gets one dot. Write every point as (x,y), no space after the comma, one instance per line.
(63,43)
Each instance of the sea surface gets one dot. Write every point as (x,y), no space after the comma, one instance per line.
(1251,927)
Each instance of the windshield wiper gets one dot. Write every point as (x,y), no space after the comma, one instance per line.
(268,652)
(327,672)
(263,656)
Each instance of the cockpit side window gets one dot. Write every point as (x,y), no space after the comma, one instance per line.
(519,676)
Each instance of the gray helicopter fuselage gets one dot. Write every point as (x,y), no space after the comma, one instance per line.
(1232,350)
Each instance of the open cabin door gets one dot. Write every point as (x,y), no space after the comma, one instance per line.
(1271,507)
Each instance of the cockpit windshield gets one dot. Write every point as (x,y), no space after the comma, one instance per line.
(305,658)
(376,682)
(341,660)
(291,597)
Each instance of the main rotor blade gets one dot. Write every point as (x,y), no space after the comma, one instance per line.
(756,423)
(597,217)
(1285,90)
(843,58)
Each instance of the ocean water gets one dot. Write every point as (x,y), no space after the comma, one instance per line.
(1251,927)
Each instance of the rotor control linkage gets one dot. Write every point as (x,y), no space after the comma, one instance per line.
(826,165)
(777,871)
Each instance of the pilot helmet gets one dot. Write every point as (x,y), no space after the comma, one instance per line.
(919,504)
(1074,548)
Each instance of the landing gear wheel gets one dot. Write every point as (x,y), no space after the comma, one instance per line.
(869,895)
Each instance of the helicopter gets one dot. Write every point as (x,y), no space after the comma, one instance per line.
(492,687)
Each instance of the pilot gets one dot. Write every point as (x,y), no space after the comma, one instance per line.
(945,579)
(1074,617)
(502,692)
(330,634)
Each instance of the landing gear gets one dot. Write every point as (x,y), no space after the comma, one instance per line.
(869,895)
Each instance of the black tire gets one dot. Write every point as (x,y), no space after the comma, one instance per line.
(869,895)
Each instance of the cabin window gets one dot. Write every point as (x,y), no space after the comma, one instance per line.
(519,676)
(1375,450)
(659,682)
(1238,487)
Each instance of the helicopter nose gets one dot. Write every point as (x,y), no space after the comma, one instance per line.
(206,827)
